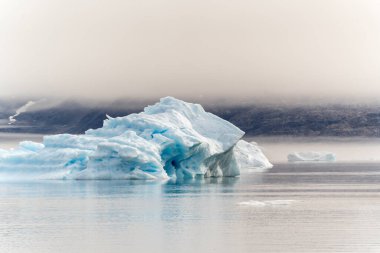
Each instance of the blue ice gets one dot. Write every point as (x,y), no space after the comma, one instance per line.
(170,139)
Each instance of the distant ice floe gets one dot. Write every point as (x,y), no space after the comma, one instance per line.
(279,202)
(171,139)
(311,157)
(22,109)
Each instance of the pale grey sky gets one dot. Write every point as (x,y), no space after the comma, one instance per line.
(227,48)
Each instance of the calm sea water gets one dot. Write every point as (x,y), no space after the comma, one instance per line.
(290,208)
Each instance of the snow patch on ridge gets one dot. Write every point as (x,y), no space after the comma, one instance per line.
(22,109)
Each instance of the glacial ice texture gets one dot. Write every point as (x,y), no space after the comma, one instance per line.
(250,156)
(169,139)
(311,157)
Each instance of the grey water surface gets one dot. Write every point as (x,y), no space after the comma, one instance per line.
(290,208)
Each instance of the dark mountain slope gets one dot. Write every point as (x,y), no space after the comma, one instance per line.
(73,117)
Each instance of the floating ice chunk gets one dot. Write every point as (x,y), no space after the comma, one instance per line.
(253,203)
(278,202)
(169,139)
(311,157)
(250,156)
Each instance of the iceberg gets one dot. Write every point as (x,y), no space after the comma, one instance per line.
(250,156)
(311,157)
(170,139)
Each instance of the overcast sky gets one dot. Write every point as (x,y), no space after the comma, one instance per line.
(220,48)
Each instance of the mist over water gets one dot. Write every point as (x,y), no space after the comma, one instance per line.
(11,140)
(347,149)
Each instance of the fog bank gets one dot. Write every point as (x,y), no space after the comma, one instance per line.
(223,49)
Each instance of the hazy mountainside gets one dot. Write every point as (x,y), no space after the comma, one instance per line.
(305,121)
(74,117)
(64,117)
(8,107)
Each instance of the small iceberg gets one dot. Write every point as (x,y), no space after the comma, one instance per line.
(170,139)
(311,157)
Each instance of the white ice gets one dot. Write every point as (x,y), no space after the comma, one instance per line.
(277,202)
(311,157)
(169,139)
(251,157)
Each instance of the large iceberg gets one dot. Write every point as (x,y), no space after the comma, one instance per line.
(169,139)
(311,156)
